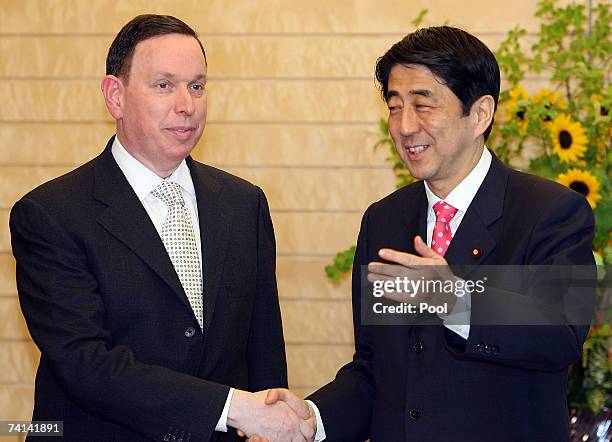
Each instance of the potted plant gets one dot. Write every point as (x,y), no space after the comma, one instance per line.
(562,133)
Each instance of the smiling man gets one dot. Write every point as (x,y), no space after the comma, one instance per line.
(147,279)
(459,376)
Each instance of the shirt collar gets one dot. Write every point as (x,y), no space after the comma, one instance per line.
(461,196)
(144,180)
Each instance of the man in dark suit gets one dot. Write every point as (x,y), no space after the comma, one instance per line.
(147,279)
(464,374)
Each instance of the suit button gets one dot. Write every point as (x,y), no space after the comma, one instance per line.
(495,349)
(190,332)
(414,414)
(480,347)
(418,347)
(487,349)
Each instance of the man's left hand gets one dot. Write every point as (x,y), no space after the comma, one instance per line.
(427,265)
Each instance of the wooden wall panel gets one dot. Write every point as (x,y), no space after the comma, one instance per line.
(229,56)
(222,145)
(245,101)
(292,107)
(263,16)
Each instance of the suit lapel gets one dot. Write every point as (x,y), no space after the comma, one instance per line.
(214,219)
(474,241)
(413,222)
(127,220)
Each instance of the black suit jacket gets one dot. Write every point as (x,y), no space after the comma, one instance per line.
(122,355)
(416,382)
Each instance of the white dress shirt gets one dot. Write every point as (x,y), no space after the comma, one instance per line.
(460,198)
(143,181)
(458,320)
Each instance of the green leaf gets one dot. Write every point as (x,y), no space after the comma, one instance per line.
(341,265)
(608,255)
(419,18)
(383,126)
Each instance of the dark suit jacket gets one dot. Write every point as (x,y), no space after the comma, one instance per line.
(505,383)
(123,357)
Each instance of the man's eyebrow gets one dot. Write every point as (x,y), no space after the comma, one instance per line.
(173,77)
(165,74)
(422,92)
(391,94)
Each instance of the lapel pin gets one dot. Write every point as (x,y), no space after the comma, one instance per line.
(476,252)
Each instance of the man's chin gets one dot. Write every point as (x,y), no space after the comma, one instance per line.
(418,173)
(186,144)
(183,150)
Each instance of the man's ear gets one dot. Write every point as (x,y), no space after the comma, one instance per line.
(482,112)
(113,90)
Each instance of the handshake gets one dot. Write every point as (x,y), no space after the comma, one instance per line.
(272,415)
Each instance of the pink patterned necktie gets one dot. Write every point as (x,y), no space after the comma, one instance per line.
(442,235)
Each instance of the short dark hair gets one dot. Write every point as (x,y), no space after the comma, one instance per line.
(461,61)
(140,28)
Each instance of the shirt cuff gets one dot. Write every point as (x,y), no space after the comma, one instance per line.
(458,320)
(320,434)
(222,424)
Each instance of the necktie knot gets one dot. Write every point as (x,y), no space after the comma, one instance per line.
(442,236)
(444,212)
(170,193)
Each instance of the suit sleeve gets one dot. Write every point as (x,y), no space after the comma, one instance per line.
(554,317)
(266,347)
(65,314)
(345,404)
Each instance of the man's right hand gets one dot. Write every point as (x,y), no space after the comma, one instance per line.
(298,405)
(267,416)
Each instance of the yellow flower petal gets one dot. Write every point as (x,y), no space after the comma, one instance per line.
(583,182)
(569,138)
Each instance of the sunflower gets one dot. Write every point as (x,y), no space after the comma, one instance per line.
(583,182)
(550,100)
(549,97)
(514,109)
(603,110)
(568,137)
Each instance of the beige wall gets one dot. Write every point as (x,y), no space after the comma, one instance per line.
(291,104)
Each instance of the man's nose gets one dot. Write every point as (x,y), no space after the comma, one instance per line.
(184,103)
(409,124)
